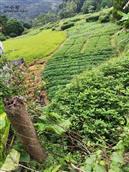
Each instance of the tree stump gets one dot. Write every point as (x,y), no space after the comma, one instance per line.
(17,113)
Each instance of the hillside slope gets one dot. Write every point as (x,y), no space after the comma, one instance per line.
(85,127)
(88,45)
(89,116)
(97,105)
(71,7)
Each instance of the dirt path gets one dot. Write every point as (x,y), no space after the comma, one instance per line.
(33,83)
(33,80)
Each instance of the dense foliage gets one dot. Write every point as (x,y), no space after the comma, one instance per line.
(96,104)
(11,27)
(70,7)
(45,18)
(119,8)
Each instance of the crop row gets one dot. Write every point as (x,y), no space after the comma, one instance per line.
(59,72)
(88,45)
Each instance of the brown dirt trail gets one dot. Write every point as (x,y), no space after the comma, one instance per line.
(33,80)
(33,83)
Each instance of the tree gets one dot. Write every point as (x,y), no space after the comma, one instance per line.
(118,8)
(45,18)
(89,6)
(27,25)
(71,7)
(3,21)
(13,27)
(105,3)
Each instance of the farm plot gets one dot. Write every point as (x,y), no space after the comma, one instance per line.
(88,45)
(34,45)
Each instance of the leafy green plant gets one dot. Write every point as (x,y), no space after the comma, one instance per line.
(12,161)
(4,132)
(102,105)
(125,20)
(92,18)
(67,26)
(2,37)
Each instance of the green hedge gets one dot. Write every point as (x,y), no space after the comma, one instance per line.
(92,18)
(67,26)
(2,37)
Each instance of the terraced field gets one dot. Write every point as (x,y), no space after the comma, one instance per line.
(35,45)
(88,45)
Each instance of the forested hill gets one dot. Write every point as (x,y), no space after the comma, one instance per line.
(64,89)
(27,9)
(70,7)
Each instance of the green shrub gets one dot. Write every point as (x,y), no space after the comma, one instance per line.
(42,28)
(12,35)
(27,25)
(26,31)
(117,15)
(2,37)
(67,26)
(104,18)
(75,20)
(92,18)
(125,21)
(1,107)
(126,24)
(53,29)
(14,27)
(66,22)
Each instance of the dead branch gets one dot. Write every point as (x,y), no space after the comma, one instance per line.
(76,168)
(126,5)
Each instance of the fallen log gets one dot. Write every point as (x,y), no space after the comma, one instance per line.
(17,113)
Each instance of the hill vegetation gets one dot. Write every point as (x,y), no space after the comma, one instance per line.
(84,126)
(70,8)
(92,110)
(88,45)
(11,27)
